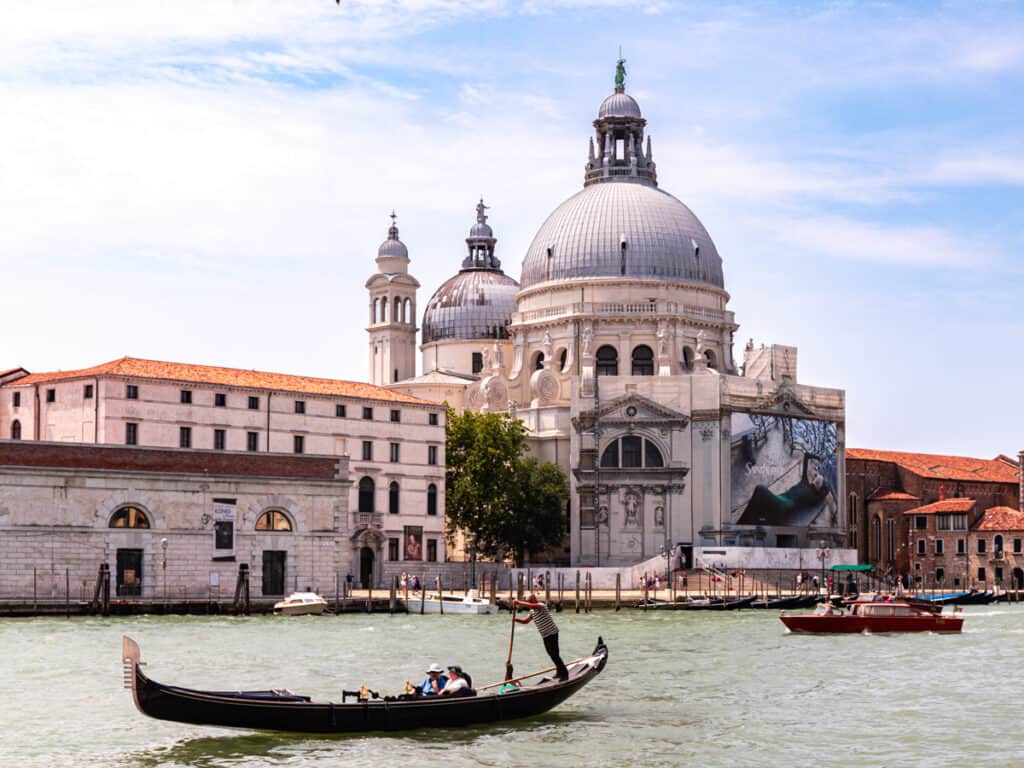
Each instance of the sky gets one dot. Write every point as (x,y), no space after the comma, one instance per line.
(207,181)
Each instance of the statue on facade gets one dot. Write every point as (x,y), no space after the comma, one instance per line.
(513,407)
(700,342)
(587,339)
(486,355)
(659,517)
(498,357)
(602,515)
(548,346)
(662,339)
(632,504)
(620,74)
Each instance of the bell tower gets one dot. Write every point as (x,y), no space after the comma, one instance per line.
(392,310)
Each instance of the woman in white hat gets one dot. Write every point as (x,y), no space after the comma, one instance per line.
(434,682)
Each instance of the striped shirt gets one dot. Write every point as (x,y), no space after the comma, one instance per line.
(545,624)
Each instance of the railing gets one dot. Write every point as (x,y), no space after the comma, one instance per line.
(706,314)
(368,519)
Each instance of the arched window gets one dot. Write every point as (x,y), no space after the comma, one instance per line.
(273,520)
(712,360)
(643,361)
(431,499)
(397,314)
(384,309)
(129,517)
(408,311)
(890,541)
(851,520)
(393,498)
(562,358)
(687,359)
(366,502)
(15,430)
(376,304)
(538,361)
(997,543)
(607,361)
(876,539)
(632,452)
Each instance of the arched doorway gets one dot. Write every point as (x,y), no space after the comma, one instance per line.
(1018,578)
(366,557)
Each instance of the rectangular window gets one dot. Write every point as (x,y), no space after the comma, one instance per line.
(392,549)
(981,546)
(299,443)
(51,395)
(131,392)
(961,546)
(432,550)
(252,441)
(1016,546)
(367,450)
(367,413)
(394,453)
(981,574)
(921,522)
(86,392)
(959,522)
(432,419)
(431,454)
(184,437)
(220,400)
(478,362)
(300,406)
(186,396)
(339,411)
(939,546)
(219,439)
(224,531)
(131,434)
(396,415)
(254,403)
(920,546)
(17,399)
(999,574)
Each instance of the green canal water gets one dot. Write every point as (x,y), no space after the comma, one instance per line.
(679,689)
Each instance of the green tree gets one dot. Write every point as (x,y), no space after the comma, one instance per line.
(511,501)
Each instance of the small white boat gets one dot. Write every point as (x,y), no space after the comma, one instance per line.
(301,604)
(471,603)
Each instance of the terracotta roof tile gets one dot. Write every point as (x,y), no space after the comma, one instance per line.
(888,494)
(1001,519)
(942,467)
(946,505)
(236,377)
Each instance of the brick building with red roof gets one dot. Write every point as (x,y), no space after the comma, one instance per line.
(897,499)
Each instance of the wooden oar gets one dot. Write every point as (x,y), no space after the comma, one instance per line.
(532,674)
(511,639)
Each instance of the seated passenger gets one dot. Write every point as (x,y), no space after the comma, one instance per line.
(460,684)
(435,682)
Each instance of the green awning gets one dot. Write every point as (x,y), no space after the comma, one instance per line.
(853,568)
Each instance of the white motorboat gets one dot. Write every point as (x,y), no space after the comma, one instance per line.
(470,603)
(301,604)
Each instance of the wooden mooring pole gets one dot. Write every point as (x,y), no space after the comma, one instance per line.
(618,590)
(577,591)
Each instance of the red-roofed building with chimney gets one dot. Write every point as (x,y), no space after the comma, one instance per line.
(889,493)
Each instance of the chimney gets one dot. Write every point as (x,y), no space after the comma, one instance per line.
(1020,481)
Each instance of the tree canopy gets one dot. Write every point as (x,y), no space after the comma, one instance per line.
(511,501)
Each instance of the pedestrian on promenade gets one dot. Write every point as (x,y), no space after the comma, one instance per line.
(541,618)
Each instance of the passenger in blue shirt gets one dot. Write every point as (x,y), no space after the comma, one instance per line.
(434,682)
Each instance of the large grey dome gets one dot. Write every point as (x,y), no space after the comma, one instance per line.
(474,304)
(622,229)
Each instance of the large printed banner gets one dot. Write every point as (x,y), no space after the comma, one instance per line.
(784,472)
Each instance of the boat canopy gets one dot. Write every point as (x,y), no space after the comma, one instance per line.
(862,568)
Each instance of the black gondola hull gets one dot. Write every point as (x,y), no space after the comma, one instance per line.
(292,713)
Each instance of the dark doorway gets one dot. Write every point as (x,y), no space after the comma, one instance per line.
(1018,578)
(273,571)
(129,572)
(366,567)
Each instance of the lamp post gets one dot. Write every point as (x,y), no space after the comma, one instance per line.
(823,554)
(163,546)
(472,561)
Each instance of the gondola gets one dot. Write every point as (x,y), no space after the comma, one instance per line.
(719,603)
(777,603)
(282,710)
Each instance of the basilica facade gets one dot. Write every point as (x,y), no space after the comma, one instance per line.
(615,348)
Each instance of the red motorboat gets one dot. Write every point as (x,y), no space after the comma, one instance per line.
(892,615)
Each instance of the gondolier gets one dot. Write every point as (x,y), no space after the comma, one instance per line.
(541,618)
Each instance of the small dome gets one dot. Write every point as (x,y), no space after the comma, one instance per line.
(392,249)
(622,229)
(481,230)
(619,104)
(474,304)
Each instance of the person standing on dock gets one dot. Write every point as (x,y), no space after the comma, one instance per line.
(541,618)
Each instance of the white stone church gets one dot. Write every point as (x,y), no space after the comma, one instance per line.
(615,348)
